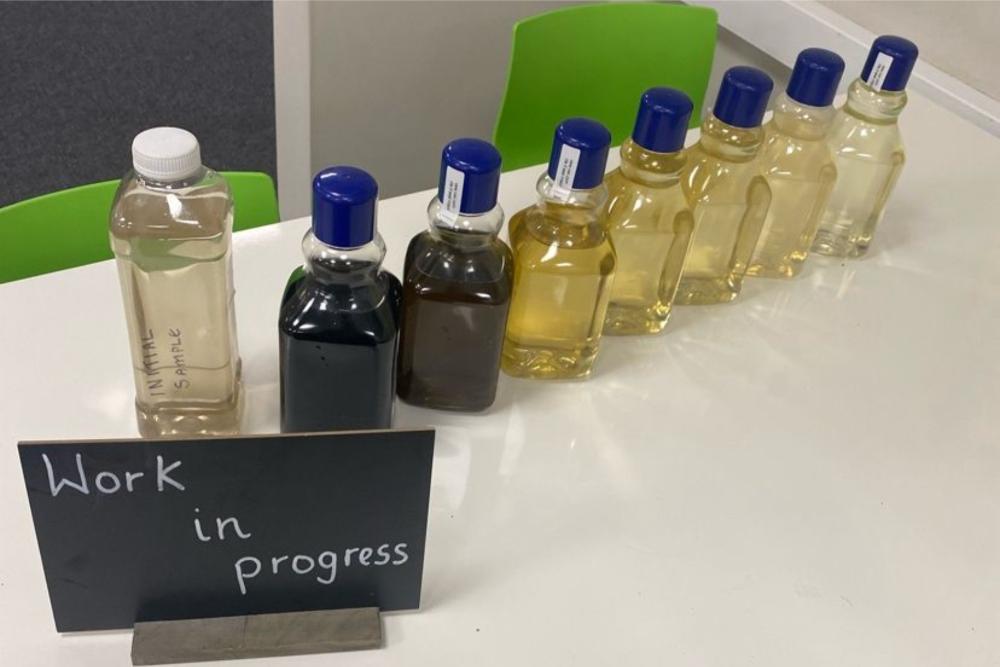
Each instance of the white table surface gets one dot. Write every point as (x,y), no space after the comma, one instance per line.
(809,476)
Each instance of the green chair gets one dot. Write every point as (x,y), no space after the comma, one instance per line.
(596,60)
(69,228)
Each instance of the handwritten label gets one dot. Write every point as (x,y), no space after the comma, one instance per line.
(161,530)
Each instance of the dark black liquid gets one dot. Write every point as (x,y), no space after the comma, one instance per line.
(337,351)
(456,294)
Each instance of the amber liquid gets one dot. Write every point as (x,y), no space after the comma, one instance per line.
(456,294)
(564,266)
(729,199)
(868,150)
(650,225)
(799,169)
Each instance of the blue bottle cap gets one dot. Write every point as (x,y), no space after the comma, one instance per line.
(662,122)
(579,154)
(343,212)
(470,176)
(889,63)
(815,77)
(743,96)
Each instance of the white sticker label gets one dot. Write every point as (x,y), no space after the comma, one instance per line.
(569,158)
(883,61)
(454,185)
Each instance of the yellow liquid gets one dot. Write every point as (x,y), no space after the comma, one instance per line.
(868,151)
(563,268)
(729,199)
(650,225)
(798,166)
(178,295)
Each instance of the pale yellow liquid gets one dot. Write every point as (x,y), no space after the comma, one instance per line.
(798,166)
(650,225)
(868,152)
(177,285)
(729,199)
(563,268)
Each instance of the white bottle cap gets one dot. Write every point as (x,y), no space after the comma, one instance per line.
(166,154)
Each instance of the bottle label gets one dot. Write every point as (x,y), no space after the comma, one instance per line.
(454,184)
(569,159)
(883,61)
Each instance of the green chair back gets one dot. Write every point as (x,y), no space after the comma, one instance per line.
(596,61)
(69,228)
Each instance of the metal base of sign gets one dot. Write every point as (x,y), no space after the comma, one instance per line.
(257,636)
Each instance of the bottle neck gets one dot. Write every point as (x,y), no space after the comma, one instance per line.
(728,142)
(875,106)
(330,265)
(464,230)
(801,120)
(180,184)
(650,168)
(574,206)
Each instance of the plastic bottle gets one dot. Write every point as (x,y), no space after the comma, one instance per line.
(563,261)
(171,231)
(456,287)
(867,148)
(647,215)
(338,323)
(728,195)
(797,164)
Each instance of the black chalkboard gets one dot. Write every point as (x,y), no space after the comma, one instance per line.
(316,521)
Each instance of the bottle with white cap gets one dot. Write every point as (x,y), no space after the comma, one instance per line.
(339,319)
(171,231)
(648,216)
(727,193)
(867,148)
(456,287)
(564,263)
(797,164)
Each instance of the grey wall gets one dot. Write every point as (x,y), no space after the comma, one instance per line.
(392,82)
(79,79)
(957,37)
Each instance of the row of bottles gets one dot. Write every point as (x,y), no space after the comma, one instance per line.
(598,253)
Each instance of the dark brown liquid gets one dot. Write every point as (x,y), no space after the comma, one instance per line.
(456,293)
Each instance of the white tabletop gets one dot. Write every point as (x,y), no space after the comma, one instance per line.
(809,476)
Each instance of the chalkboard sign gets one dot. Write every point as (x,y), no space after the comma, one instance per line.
(148,530)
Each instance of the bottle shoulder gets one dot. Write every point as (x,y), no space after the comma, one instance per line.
(315,310)
(633,206)
(853,137)
(558,226)
(202,208)
(707,177)
(788,157)
(539,246)
(434,265)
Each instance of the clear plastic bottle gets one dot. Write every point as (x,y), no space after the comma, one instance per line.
(797,164)
(728,196)
(171,231)
(867,148)
(563,261)
(457,284)
(339,315)
(647,215)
